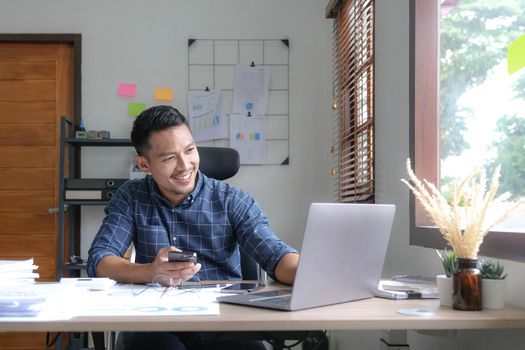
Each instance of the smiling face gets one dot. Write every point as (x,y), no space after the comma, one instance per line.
(173,161)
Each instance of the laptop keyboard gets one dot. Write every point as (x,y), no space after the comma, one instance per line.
(273,293)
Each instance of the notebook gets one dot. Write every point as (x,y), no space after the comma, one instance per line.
(342,257)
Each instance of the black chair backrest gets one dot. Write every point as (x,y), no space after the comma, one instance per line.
(220,163)
(249,268)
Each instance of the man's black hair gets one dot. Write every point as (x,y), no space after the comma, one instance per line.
(152,120)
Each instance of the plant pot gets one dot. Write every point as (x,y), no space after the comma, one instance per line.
(444,285)
(493,293)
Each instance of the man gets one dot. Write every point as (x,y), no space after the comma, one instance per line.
(179,208)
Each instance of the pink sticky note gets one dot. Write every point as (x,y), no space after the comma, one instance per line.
(126,89)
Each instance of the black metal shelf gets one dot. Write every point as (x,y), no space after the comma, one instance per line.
(86,202)
(99,142)
(72,266)
(70,169)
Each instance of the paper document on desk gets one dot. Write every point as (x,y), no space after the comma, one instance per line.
(89,283)
(142,300)
(401,290)
(46,301)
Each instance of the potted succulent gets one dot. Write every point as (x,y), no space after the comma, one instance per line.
(444,282)
(493,284)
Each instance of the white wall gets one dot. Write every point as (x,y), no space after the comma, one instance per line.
(146,42)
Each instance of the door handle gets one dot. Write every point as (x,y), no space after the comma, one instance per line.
(55,210)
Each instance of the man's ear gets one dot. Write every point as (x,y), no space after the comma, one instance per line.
(142,163)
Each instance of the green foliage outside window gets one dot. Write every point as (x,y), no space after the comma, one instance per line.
(474,37)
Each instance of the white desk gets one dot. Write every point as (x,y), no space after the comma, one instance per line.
(369,314)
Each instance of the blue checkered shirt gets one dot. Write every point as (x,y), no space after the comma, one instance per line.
(213,221)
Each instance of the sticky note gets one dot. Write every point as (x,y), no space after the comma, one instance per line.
(126,89)
(134,109)
(516,55)
(163,94)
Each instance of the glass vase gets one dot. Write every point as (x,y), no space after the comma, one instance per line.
(467,286)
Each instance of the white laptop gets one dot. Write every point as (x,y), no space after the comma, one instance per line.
(342,257)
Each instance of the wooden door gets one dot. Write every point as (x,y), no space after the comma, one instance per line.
(36,88)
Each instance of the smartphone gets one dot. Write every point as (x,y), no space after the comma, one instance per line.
(242,287)
(182,257)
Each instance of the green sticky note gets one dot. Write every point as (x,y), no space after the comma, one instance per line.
(516,55)
(134,109)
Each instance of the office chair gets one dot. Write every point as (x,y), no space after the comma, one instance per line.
(220,163)
(223,163)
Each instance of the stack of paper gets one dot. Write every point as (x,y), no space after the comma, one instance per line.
(17,271)
(392,289)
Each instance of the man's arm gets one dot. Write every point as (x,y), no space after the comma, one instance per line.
(286,268)
(124,271)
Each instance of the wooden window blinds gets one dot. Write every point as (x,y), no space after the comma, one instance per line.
(353,90)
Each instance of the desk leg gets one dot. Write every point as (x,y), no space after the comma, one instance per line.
(58,342)
(98,340)
(394,340)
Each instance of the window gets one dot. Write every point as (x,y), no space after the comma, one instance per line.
(353,140)
(466,111)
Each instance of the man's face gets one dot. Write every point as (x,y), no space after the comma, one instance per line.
(173,161)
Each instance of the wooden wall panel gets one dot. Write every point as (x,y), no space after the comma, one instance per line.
(29,112)
(27,90)
(27,246)
(64,79)
(22,341)
(17,51)
(21,223)
(15,135)
(27,178)
(19,156)
(33,70)
(36,201)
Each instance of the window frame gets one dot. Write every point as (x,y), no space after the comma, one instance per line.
(424,134)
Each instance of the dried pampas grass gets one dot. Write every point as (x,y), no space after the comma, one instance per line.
(463,227)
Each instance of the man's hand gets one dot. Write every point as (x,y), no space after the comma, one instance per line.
(124,271)
(176,271)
